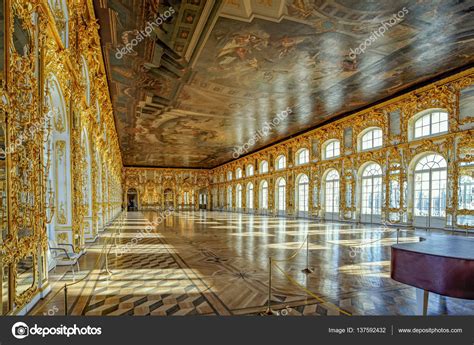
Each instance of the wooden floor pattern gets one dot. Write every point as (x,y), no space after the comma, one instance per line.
(215,263)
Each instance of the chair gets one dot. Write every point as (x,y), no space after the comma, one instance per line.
(63,257)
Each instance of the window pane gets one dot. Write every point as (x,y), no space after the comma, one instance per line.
(443,126)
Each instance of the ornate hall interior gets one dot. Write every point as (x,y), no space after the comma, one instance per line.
(236,157)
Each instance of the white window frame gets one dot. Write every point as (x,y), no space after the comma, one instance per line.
(249,196)
(303,193)
(331,149)
(238,196)
(249,170)
(281,195)
(302,156)
(331,191)
(278,165)
(238,173)
(368,136)
(426,124)
(264,195)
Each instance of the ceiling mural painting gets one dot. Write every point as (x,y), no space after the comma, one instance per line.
(212,74)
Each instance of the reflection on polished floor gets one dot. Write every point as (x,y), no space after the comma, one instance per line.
(215,263)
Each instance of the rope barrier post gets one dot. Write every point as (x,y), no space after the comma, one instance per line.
(398,235)
(308,269)
(269,310)
(65,299)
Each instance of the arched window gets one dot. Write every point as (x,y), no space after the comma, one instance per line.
(229,197)
(281,194)
(430,190)
(331,149)
(58,145)
(238,173)
(229,176)
(302,156)
(371,138)
(302,194)
(249,171)
(221,198)
(264,195)
(371,192)
(263,167)
(249,195)
(430,123)
(238,196)
(280,162)
(331,191)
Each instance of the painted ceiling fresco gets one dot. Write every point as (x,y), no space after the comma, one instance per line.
(212,74)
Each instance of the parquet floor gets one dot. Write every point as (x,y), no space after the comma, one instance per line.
(215,263)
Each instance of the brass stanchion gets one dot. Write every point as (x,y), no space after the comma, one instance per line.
(269,310)
(307,270)
(65,299)
(398,235)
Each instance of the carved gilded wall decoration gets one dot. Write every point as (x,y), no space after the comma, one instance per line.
(44,31)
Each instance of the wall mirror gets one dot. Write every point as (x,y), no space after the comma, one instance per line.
(4,292)
(21,37)
(25,274)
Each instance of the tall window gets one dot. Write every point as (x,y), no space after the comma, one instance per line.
(371,139)
(430,124)
(229,197)
(249,171)
(303,184)
(263,167)
(332,149)
(430,186)
(332,191)
(302,156)
(281,162)
(238,173)
(186,198)
(264,195)
(250,195)
(281,194)
(229,176)
(372,190)
(238,196)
